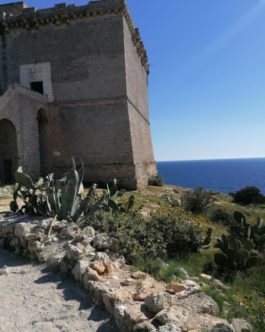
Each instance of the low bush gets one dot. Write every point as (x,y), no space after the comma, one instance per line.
(156,180)
(249,195)
(219,215)
(197,200)
(162,236)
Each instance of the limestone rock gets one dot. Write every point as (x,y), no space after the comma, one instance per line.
(88,232)
(205,276)
(57,225)
(221,327)
(92,274)
(56,261)
(35,246)
(170,327)
(127,282)
(191,287)
(50,251)
(4,270)
(176,315)
(98,291)
(158,302)
(101,257)
(80,269)
(175,287)
(22,229)
(111,299)
(98,266)
(241,325)
(74,253)
(138,275)
(103,241)
(200,303)
(144,327)
(213,324)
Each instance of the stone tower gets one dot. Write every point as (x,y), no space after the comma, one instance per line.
(73,81)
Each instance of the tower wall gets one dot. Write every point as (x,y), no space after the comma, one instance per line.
(137,103)
(95,69)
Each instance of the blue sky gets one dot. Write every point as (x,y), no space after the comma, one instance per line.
(207,81)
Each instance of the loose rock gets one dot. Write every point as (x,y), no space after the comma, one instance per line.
(241,325)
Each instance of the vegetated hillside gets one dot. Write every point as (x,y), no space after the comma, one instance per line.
(158,220)
(243,295)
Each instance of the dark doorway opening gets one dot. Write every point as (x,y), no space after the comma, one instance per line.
(8,152)
(37,86)
(43,140)
(7,166)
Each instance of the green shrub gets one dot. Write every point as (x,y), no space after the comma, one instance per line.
(156,180)
(249,195)
(197,200)
(162,236)
(219,215)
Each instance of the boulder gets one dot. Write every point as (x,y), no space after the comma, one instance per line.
(88,232)
(35,246)
(22,229)
(175,287)
(241,325)
(92,274)
(144,327)
(158,302)
(74,252)
(191,287)
(138,275)
(80,269)
(103,241)
(170,327)
(210,323)
(98,266)
(176,315)
(200,303)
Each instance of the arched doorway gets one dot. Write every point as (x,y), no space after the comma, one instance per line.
(8,151)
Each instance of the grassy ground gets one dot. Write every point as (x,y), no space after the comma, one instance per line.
(245,296)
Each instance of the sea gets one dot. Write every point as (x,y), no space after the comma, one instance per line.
(222,175)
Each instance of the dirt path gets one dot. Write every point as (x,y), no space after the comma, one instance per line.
(34,299)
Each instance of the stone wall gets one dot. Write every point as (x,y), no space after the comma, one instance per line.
(20,107)
(138,302)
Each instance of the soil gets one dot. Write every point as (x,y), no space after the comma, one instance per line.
(36,299)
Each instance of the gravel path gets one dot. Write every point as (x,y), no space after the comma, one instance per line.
(34,299)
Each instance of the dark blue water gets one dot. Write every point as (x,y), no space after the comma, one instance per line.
(227,175)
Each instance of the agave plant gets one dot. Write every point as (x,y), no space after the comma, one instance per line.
(64,198)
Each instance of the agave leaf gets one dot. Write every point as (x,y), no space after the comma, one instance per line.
(131,202)
(40,183)
(23,179)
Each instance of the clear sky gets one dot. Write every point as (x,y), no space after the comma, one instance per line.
(207,81)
